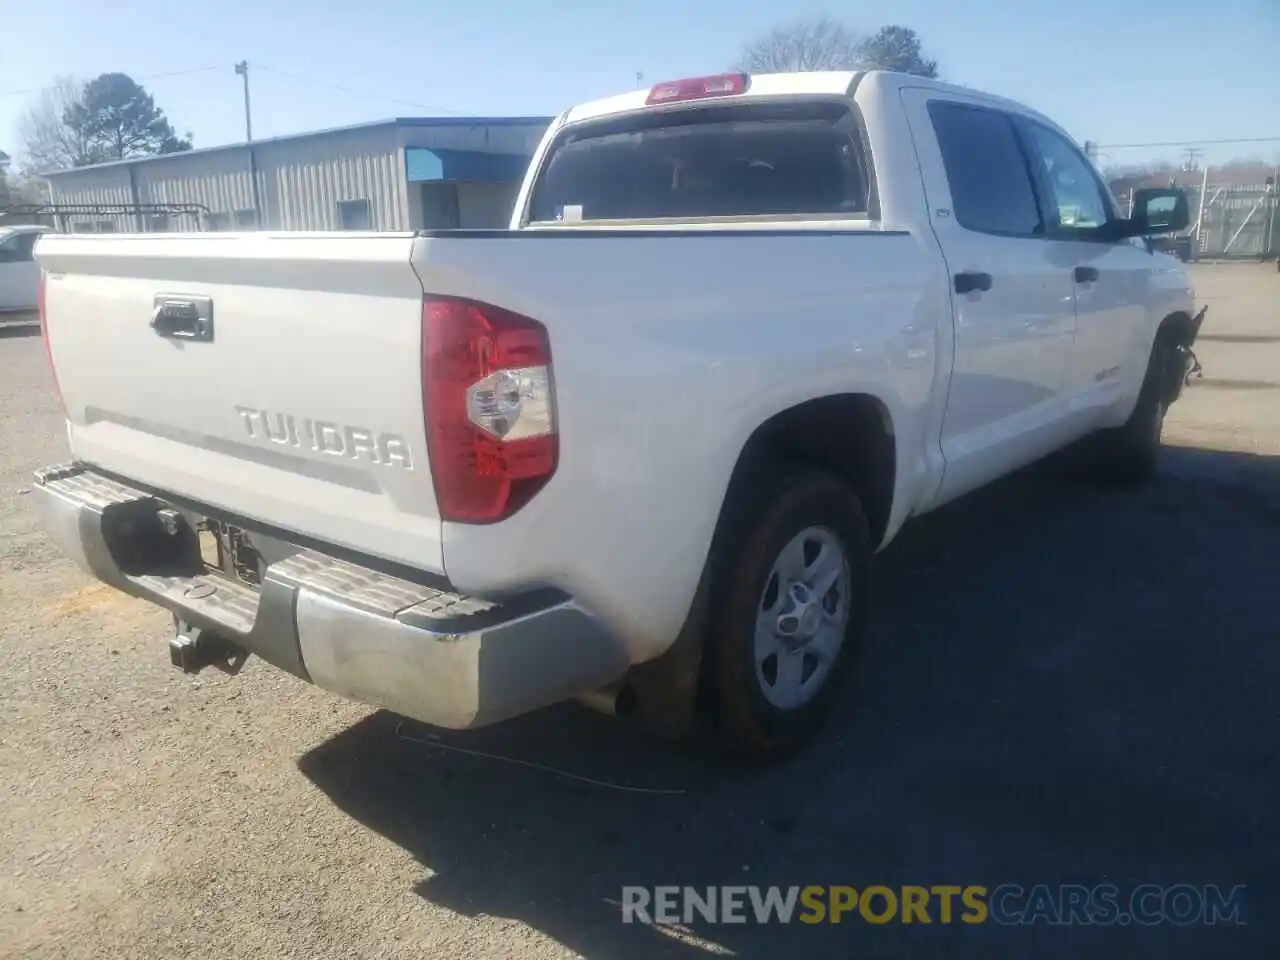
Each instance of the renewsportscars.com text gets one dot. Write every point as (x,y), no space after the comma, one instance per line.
(1007,904)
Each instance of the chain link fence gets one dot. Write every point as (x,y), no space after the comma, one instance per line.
(1235,221)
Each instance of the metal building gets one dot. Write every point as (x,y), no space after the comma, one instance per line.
(401,174)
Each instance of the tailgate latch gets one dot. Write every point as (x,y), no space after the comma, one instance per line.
(179,317)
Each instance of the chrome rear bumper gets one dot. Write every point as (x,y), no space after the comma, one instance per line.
(440,657)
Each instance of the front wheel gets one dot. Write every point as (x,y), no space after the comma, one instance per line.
(1129,454)
(789,610)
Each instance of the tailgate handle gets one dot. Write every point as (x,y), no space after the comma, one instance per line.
(183,318)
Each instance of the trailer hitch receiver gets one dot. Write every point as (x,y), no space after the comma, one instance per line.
(194,648)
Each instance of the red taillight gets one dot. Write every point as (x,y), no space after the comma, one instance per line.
(490,417)
(44,335)
(699,88)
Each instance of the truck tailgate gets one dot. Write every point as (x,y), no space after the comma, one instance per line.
(275,377)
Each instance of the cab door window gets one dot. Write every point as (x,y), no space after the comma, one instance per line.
(1077,200)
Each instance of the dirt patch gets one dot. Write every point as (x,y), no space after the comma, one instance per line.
(97,601)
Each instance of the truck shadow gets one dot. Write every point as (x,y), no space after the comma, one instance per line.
(1063,685)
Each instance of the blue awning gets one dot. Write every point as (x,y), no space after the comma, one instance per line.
(464,166)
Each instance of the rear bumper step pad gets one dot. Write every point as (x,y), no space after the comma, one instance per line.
(438,656)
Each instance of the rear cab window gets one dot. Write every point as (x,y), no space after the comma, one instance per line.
(744,160)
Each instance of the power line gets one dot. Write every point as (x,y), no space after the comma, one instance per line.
(353,91)
(313,81)
(1187,143)
(150,76)
(639,76)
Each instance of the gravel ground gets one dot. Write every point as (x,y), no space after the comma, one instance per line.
(1065,685)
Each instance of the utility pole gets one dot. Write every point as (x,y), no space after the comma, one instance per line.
(1193,154)
(242,69)
(1198,230)
(1273,188)
(639,79)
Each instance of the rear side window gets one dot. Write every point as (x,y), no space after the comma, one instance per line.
(746,160)
(991,189)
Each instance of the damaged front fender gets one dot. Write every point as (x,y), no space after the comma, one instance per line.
(1180,334)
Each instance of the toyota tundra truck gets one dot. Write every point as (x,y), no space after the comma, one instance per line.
(636,450)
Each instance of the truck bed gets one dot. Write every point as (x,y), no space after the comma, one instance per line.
(305,411)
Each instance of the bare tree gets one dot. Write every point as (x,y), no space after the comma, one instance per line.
(16,189)
(48,142)
(817,43)
(118,120)
(73,124)
(820,43)
(6,191)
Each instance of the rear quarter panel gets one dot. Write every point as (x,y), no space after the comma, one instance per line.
(669,349)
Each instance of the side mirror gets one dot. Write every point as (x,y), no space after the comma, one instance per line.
(1157,210)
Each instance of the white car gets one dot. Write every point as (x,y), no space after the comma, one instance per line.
(639,448)
(19,273)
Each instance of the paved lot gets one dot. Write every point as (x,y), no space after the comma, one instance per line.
(1065,686)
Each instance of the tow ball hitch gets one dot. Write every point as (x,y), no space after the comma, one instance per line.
(194,648)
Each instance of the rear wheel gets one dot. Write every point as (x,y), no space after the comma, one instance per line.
(789,610)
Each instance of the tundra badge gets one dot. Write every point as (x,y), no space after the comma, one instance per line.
(325,436)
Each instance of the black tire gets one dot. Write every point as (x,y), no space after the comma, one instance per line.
(1129,454)
(764,516)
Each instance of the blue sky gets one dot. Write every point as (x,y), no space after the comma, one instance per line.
(1109,70)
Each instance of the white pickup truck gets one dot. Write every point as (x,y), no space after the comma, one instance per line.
(637,450)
